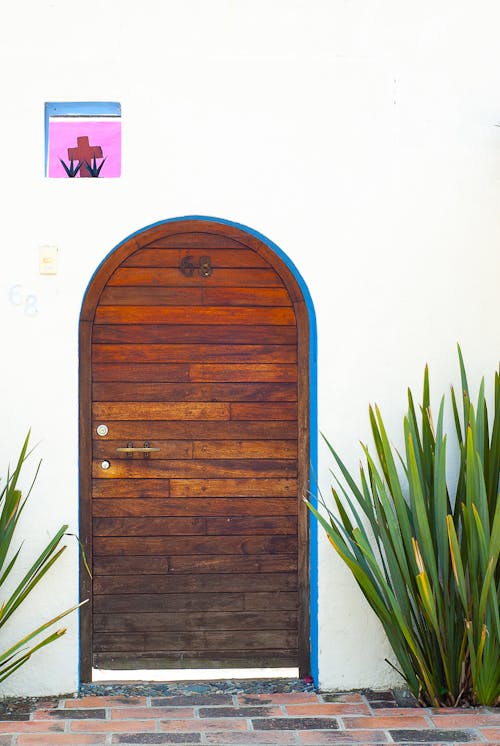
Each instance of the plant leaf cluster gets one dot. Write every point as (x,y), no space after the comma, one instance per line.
(11,507)
(94,169)
(71,170)
(427,560)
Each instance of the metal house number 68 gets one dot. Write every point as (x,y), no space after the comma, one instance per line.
(188,267)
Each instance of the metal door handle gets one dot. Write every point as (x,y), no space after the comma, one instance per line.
(131,449)
(146,449)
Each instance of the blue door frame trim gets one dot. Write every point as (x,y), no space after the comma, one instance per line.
(313,406)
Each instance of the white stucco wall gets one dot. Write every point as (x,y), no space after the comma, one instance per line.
(359,136)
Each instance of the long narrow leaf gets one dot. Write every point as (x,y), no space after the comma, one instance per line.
(428,559)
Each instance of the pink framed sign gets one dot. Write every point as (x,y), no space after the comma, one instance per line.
(82,140)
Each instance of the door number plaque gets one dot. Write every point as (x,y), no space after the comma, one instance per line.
(188,266)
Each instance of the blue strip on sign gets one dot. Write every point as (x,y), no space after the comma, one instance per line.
(83,109)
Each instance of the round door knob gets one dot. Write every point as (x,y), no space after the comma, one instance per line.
(102,430)
(105,464)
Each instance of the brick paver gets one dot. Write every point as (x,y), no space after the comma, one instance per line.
(111,726)
(465,720)
(125,713)
(385,723)
(30,726)
(322,738)
(328,708)
(114,701)
(290,698)
(203,724)
(492,735)
(436,736)
(284,719)
(59,739)
(251,738)
(134,739)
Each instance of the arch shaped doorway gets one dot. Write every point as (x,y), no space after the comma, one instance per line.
(195,453)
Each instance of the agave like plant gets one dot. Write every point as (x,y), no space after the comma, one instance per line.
(427,558)
(94,169)
(71,170)
(11,507)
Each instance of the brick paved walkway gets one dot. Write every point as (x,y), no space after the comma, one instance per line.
(300,718)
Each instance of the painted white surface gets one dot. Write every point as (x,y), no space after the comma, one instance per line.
(195,674)
(359,136)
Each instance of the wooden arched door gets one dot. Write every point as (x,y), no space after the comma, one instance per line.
(194,405)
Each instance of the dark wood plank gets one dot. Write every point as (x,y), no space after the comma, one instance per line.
(184,565)
(233,487)
(171,449)
(245,297)
(267,411)
(151,526)
(169,257)
(137,488)
(259,525)
(235,372)
(165,353)
(144,296)
(220,506)
(133,564)
(244,315)
(194,545)
(179,622)
(140,372)
(172,602)
(192,334)
(210,238)
(142,468)
(276,600)
(244,449)
(195,525)
(200,430)
(193,296)
(204,392)
(127,372)
(189,659)
(204,640)
(156,276)
(160,411)
(198,584)
(200,449)
(207,563)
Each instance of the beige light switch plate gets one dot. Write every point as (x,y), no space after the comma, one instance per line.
(48,260)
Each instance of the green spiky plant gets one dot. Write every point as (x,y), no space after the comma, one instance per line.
(71,170)
(11,508)
(94,169)
(425,556)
